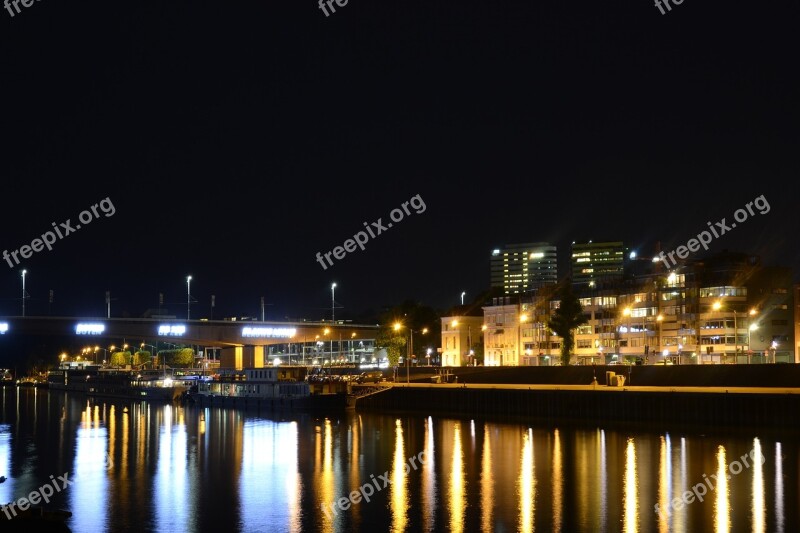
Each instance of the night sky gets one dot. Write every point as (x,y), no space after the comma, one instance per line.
(237,140)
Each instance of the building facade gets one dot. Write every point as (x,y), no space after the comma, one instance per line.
(597,263)
(460,334)
(517,268)
(724,309)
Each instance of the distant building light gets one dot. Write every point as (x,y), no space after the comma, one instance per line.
(268,332)
(175,330)
(495,252)
(537,255)
(90,328)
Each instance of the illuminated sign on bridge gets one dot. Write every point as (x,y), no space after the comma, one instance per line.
(268,332)
(90,329)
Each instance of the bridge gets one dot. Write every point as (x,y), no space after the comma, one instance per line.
(280,338)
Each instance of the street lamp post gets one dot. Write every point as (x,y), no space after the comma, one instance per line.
(750,330)
(330,364)
(411,349)
(627,312)
(659,319)
(188,296)
(410,346)
(469,344)
(333,303)
(95,352)
(23,292)
(522,318)
(462,297)
(151,346)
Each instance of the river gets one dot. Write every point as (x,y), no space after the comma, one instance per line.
(125,466)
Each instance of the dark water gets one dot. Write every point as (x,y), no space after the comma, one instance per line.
(148,467)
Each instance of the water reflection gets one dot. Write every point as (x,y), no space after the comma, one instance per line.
(457,487)
(527,484)
(631,489)
(399,481)
(88,473)
(148,467)
(663,485)
(7,487)
(487,482)
(759,509)
(269,478)
(602,480)
(558,482)
(778,488)
(325,487)
(722,518)
(429,500)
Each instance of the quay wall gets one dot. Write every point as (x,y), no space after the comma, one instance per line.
(766,407)
(597,406)
(755,375)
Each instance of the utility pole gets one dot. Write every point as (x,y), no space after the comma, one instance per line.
(212,307)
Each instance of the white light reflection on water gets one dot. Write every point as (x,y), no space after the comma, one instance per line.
(429,499)
(603,476)
(88,493)
(269,486)
(631,489)
(170,485)
(7,488)
(758,508)
(722,509)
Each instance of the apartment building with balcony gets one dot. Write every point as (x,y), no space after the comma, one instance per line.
(724,309)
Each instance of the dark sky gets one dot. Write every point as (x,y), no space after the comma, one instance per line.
(237,140)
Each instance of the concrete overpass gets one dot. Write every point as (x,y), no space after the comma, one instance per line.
(254,337)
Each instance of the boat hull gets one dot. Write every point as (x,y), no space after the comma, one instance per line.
(166,394)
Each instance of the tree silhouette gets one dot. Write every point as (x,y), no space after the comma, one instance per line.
(565,319)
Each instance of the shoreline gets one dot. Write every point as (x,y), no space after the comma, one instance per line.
(720,406)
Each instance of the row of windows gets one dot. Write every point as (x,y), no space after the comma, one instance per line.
(717,292)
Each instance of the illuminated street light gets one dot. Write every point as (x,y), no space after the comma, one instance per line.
(333,303)
(23,292)
(188,296)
